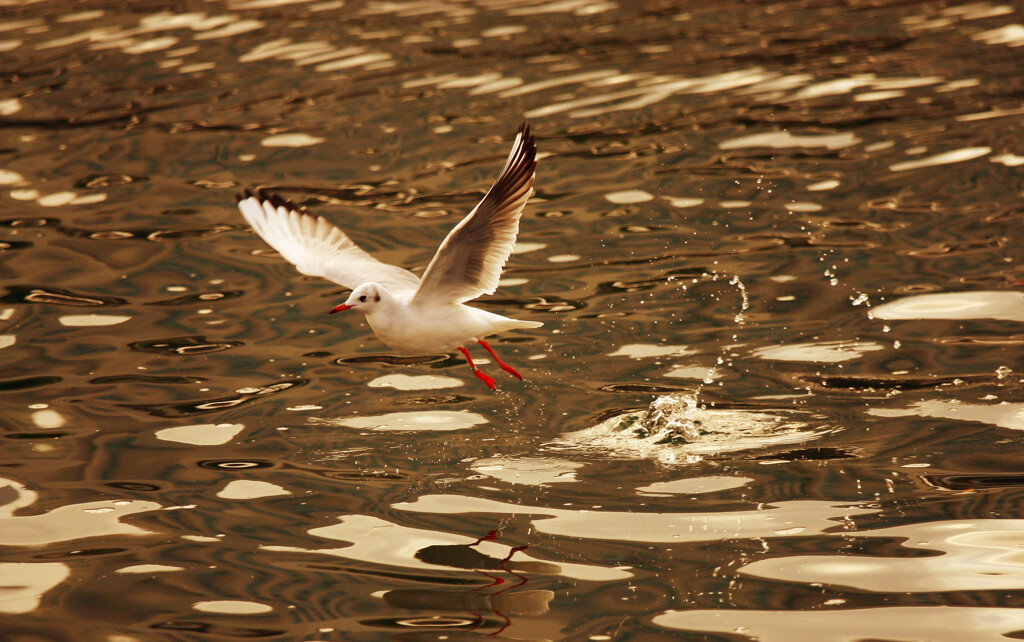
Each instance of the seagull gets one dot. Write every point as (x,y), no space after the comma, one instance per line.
(415,315)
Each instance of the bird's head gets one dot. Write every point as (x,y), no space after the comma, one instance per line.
(364,298)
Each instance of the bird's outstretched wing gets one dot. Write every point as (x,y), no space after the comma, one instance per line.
(468,263)
(316,247)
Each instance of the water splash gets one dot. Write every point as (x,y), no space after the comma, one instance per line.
(669,420)
(676,429)
(739,319)
(734,280)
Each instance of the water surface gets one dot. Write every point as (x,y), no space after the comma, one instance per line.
(803,217)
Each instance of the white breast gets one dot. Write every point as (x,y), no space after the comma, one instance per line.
(417,330)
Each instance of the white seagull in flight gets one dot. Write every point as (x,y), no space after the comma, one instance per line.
(414,315)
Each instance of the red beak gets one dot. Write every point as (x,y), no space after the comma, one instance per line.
(339,308)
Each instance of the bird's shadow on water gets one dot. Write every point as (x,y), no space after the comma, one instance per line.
(396,360)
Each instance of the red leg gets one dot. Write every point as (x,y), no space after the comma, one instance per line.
(491,536)
(480,374)
(504,366)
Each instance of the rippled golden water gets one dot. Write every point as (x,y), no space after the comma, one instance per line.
(193,449)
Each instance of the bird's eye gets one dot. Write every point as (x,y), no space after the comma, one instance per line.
(377,298)
(362,298)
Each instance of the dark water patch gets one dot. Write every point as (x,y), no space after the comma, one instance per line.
(501,601)
(217,630)
(183,346)
(79,552)
(363,475)
(801,241)
(513,340)
(206,183)
(266,253)
(438,622)
(140,487)
(36,436)
(379,195)
(153,379)
(433,400)
(949,249)
(29,222)
(792,154)
(874,383)
(903,205)
(538,303)
(173,236)
(857,224)
(119,116)
(1009,340)
(216,404)
(616,150)
(146,234)
(198,298)
(17,294)
(1016,212)
(823,453)
(392,360)
(722,171)
(466,557)
(673,278)
(975,481)
(105,181)
(431,579)
(652,388)
(232,464)
(106,235)
(26,383)
(641,229)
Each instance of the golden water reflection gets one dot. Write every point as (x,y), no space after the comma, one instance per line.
(798,517)
(201,452)
(975,555)
(938,624)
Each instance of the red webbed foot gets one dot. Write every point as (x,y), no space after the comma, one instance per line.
(512,371)
(504,366)
(480,374)
(486,378)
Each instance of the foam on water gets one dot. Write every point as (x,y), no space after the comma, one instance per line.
(676,429)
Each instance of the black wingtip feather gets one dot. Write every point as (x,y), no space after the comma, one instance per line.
(524,163)
(244,194)
(463,267)
(529,141)
(264,196)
